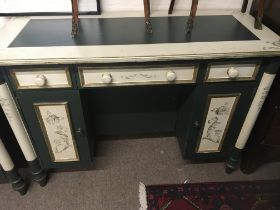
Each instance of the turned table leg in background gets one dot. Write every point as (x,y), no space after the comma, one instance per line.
(190,21)
(10,171)
(10,109)
(261,94)
(259,15)
(147,11)
(244,6)
(75,18)
(171,6)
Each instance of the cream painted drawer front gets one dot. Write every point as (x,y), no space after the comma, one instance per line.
(231,72)
(95,77)
(41,78)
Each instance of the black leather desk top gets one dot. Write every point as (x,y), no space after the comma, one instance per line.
(123,31)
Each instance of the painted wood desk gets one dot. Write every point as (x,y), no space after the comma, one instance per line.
(206,87)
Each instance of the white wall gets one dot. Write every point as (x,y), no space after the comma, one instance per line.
(137,5)
(2,21)
(12,6)
(110,5)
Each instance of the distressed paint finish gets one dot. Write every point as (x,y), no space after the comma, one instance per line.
(265,47)
(9,107)
(5,159)
(92,77)
(11,173)
(254,110)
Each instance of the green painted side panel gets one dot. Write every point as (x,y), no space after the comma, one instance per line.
(3,179)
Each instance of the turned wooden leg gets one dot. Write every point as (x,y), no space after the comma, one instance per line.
(171,6)
(244,6)
(38,174)
(75,18)
(259,16)
(252,115)
(13,116)
(149,28)
(10,171)
(192,16)
(233,162)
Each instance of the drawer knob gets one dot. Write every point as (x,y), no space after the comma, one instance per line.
(40,80)
(170,76)
(106,78)
(232,72)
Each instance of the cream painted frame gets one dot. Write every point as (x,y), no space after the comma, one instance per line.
(100,69)
(210,96)
(19,87)
(256,71)
(44,130)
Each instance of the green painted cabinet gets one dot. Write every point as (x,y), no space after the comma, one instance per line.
(208,126)
(56,123)
(203,104)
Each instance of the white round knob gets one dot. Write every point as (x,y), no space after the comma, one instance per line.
(106,78)
(232,72)
(170,76)
(40,80)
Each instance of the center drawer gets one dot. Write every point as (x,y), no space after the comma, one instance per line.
(100,77)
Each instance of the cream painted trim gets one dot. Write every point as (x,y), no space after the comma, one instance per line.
(254,110)
(13,116)
(213,66)
(159,71)
(60,72)
(269,45)
(8,33)
(5,159)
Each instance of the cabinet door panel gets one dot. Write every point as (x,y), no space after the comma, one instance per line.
(216,121)
(57,129)
(215,115)
(56,123)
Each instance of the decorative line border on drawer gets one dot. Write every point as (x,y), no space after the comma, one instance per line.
(129,76)
(218,72)
(55,78)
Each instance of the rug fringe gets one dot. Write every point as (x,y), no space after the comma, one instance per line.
(142,197)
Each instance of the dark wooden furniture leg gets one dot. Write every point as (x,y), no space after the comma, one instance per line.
(171,6)
(11,171)
(244,6)
(259,16)
(192,16)
(75,18)
(18,183)
(149,28)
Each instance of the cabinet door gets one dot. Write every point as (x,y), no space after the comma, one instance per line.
(56,123)
(217,114)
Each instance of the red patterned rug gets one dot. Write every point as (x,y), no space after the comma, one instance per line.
(255,195)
